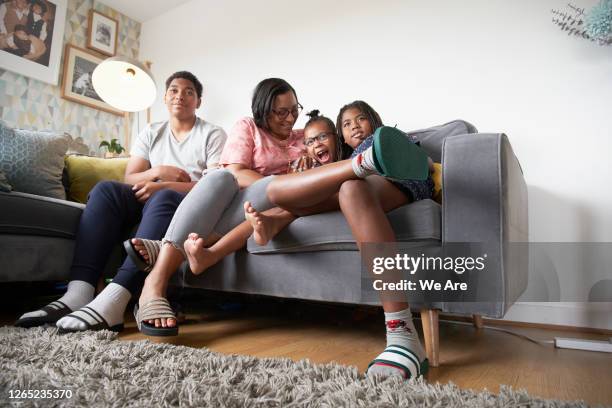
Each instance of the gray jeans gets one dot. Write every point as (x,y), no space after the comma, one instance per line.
(215,204)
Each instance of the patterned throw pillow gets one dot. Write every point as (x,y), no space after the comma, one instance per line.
(4,184)
(33,160)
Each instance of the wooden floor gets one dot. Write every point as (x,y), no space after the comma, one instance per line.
(470,358)
(322,333)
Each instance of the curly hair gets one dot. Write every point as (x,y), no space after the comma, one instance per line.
(188,76)
(368,111)
(316,118)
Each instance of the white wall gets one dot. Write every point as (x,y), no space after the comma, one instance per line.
(500,64)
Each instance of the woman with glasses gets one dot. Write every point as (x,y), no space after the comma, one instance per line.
(322,147)
(257,147)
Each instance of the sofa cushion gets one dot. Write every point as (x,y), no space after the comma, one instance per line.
(22,213)
(84,172)
(436,176)
(418,221)
(431,139)
(33,161)
(4,184)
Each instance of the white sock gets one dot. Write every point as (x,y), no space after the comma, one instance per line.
(77,295)
(363,163)
(110,304)
(401,335)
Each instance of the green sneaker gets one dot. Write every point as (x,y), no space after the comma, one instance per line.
(396,157)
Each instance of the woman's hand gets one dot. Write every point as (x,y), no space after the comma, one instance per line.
(301,164)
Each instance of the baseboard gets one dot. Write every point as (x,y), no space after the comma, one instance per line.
(535,325)
(584,315)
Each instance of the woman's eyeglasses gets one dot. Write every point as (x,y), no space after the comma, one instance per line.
(284,112)
(321,137)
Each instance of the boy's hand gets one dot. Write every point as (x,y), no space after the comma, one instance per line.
(172,173)
(144,190)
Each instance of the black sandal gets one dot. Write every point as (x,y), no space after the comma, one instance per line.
(55,311)
(151,246)
(86,314)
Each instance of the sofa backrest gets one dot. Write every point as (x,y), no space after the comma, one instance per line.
(431,139)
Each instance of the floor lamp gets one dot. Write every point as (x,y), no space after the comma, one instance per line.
(125,84)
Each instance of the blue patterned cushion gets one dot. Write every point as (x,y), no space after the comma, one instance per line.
(33,160)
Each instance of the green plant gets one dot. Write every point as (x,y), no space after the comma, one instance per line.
(113,147)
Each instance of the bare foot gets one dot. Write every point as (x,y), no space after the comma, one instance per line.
(261,227)
(265,227)
(140,248)
(200,258)
(152,291)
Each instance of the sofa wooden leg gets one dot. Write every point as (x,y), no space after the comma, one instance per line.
(429,319)
(477,321)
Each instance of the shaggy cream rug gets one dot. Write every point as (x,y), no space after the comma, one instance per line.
(102,371)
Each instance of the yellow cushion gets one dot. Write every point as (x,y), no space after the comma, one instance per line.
(437,179)
(84,172)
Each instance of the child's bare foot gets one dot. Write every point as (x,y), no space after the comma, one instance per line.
(140,248)
(261,227)
(200,258)
(265,227)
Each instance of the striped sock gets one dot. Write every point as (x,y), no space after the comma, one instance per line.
(404,354)
(106,309)
(363,163)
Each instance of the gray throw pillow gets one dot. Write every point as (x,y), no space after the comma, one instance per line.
(33,160)
(431,139)
(4,184)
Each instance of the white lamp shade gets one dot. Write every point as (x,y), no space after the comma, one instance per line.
(125,84)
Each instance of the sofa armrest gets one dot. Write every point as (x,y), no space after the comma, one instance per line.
(30,214)
(485,201)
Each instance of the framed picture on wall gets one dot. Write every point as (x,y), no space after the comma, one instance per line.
(102,33)
(31,37)
(79,65)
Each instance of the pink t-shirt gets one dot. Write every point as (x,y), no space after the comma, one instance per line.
(258,150)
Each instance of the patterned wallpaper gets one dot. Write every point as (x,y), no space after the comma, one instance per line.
(30,104)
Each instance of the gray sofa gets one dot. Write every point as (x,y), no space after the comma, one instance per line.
(315,258)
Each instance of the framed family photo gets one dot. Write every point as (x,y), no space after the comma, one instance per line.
(77,86)
(31,37)
(102,33)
